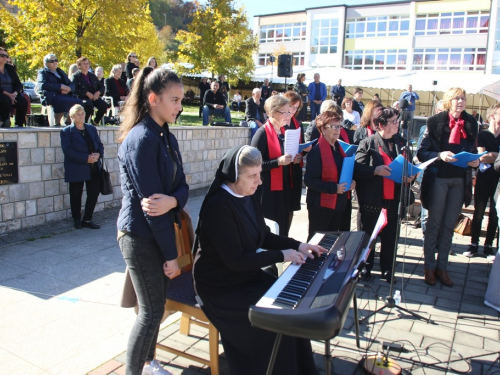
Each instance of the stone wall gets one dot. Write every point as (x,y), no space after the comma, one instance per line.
(42,195)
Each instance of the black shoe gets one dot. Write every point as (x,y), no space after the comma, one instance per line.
(452,253)
(90,224)
(388,276)
(78,223)
(471,251)
(487,250)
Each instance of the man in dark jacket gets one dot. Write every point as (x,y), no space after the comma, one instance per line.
(89,89)
(215,102)
(337,92)
(254,111)
(265,90)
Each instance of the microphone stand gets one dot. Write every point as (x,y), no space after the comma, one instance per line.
(405,191)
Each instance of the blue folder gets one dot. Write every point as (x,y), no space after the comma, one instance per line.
(464,157)
(349,150)
(397,169)
(347,171)
(302,146)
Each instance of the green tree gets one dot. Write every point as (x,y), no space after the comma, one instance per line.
(104,31)
(219,40)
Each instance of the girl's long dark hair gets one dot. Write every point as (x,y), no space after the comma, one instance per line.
(147,81)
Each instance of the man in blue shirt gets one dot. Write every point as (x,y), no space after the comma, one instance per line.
(337,92)
(411,97)
(317,93)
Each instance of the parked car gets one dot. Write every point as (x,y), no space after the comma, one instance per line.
(29,88)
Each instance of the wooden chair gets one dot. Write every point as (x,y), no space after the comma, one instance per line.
(181,297)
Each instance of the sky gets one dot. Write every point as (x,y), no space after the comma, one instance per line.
(260,7)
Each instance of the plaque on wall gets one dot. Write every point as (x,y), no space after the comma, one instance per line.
(8,163)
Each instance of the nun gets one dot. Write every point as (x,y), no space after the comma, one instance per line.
(227,271)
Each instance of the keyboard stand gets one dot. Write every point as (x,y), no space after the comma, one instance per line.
(274,353)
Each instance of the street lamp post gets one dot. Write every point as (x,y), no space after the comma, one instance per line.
(165,14)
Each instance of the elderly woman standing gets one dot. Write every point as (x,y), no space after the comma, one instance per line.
(301,89)
(89,89)
(445,187)
(326,198)
(375,192)
(10,97)
(115,86)
(276,188)
(82,150)
(228,268)
(57,89)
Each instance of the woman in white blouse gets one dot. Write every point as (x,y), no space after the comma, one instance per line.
(237,99)
(349,113)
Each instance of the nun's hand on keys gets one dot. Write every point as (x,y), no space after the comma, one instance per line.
(311,251)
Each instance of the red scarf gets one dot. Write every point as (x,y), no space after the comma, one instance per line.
(457,130)
(273,145)
(329,171)
(388,184)
(369,130)
(344,136)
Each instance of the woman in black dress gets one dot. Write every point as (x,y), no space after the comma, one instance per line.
(326,198)
(227,271)
(276,189)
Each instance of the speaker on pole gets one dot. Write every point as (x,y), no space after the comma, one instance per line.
(285,66)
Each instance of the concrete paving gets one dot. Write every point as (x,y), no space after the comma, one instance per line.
(59,289)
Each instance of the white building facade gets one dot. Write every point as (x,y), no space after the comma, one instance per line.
(445,35)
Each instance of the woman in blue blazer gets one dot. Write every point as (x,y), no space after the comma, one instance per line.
(82,150)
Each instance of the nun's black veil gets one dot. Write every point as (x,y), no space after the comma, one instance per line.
(226,172)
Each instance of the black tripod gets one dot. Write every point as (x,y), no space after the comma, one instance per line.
(404,194)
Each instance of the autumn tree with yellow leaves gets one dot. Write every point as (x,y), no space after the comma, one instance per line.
(218,40)
(104,31)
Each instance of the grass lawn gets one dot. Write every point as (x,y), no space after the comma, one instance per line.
(189,117)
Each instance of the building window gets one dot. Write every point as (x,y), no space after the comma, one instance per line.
(284,32)
(298,58)
(472,22)
(449,59)
(391,59)
(371,27)
(324,36)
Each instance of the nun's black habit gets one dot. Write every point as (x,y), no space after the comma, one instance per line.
(228,277)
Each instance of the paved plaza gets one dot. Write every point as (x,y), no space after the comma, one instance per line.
(59,289)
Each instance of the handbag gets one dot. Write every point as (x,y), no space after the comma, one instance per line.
(463,225)
(105,188)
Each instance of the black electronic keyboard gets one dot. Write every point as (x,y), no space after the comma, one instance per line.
(312,300)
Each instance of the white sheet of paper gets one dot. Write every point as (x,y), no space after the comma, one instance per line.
(422,166)
(292,140)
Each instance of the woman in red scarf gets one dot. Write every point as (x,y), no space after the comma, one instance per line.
(297,163)
(367,127)
(445,187)
(375,192)
(326,198)
(276,188)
